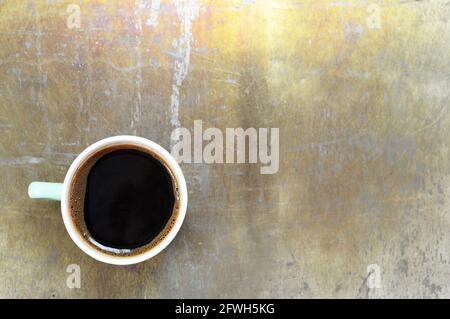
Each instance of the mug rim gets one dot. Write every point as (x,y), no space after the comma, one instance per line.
(81,242)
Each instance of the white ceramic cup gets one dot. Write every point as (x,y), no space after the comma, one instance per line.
(57,191)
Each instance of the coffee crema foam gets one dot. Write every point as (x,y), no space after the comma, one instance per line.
(77,196)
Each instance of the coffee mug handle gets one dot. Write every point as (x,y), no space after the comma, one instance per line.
(45,190)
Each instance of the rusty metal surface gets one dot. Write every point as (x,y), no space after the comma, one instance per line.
(364,134)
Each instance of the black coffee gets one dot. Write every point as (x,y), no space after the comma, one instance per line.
(129,199)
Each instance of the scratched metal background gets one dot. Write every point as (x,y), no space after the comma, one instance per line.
(364,142)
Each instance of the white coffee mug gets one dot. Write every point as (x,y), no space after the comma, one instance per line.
(57,191)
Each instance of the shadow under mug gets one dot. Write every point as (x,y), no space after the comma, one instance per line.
(58,191)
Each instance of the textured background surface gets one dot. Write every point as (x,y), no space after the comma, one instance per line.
(364,142)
